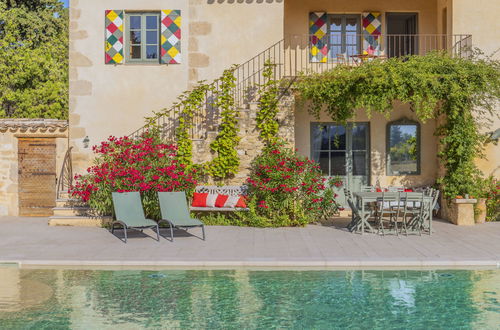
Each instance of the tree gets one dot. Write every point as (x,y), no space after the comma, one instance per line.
(33,59)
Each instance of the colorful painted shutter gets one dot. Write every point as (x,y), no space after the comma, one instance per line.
(114,37)
(318,37)
(171,37)
(372,31)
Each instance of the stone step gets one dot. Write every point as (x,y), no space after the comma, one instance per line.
(64,195)
(76,221)
(68,202)
(71,211)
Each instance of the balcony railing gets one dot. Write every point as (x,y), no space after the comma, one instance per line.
(293,56)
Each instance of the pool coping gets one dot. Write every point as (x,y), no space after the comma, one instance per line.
(261,264)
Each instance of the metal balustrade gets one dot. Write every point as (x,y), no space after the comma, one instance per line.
(292,57)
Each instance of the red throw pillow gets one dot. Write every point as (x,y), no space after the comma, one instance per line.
(221,200)
(241,202)
(408,190)
(379,190)
(199,200)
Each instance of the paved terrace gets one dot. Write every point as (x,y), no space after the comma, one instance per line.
(30,241)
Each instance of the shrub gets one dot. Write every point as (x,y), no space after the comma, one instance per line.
(491,191)
(122,164)
(287,189)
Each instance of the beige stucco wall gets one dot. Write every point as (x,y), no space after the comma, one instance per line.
(9,176)
(480,18)
(378,126)
(114,99)
(297,12)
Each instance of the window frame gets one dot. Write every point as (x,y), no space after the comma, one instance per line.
(144,44)
(402,122)
(343,34)
(349,150)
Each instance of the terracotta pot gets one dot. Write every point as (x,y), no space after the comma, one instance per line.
(480,212)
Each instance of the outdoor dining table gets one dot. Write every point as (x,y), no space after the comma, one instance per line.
(364,198)
(360,58)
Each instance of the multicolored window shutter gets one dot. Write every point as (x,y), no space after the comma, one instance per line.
(372,33)
(114,37)
(318,28)
(171,37)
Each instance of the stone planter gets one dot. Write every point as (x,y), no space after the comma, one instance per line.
(480,211)
(462,212)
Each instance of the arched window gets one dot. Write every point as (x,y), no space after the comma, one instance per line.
(403,147)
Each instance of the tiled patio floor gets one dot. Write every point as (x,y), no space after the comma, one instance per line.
(30,241)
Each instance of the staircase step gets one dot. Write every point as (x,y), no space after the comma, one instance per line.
(68,202)
(71,211)
(76,221)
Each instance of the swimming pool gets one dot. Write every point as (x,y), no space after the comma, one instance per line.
(247,299)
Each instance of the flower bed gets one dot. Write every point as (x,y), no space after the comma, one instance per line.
(122,164)
(285,189)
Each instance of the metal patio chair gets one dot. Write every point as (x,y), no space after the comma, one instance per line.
(414,212)
(175,212)
(386,212)
(130,214)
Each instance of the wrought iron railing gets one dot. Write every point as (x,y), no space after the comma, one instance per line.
(65,180)
(292,57)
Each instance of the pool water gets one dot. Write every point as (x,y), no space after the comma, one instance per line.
(246,299)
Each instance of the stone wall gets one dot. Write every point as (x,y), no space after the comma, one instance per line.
(10,131)
(250,144)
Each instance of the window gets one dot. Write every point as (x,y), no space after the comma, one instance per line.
(341,150)
(344,35)
(403,148)
(142,37)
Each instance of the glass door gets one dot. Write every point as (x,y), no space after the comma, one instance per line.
(343,151)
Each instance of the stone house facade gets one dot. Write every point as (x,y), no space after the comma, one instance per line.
(129,58)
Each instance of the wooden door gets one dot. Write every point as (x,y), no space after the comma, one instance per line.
(37,176)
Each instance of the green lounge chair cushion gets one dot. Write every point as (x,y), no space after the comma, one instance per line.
(128,209)
(174,208)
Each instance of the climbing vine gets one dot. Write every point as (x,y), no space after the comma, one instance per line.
(227,161)
(189,103)
(267,122)
(464,90)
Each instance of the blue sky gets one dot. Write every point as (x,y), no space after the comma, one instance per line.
(65,2)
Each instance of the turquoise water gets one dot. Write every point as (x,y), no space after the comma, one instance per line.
(229,299)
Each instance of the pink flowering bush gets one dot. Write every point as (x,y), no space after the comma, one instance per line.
(287,189)
(122,164)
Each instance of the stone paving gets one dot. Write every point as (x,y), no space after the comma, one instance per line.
(29,241)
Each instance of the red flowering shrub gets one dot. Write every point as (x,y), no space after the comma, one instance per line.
(491,191)
(123,164)
(287,189)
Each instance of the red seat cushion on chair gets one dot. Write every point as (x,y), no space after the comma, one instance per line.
(409,190)
(199,200)
(242,202)
(221,200)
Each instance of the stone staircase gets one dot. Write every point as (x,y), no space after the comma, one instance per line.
(70,212)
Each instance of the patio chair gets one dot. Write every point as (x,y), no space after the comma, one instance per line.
(386,212)
(130,215)
(368,189)
(415,209)
(175,212)
(356,220)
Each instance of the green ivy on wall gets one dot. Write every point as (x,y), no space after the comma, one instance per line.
(267,123)
(227,161)
(463,90)
(189,103)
